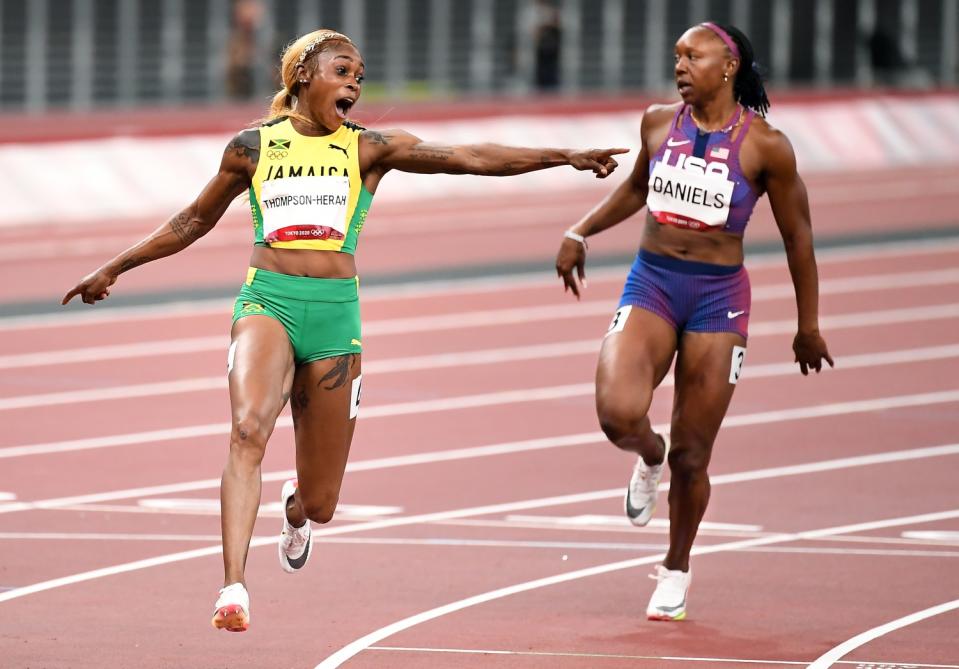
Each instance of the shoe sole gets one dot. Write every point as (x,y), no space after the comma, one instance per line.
(665,617)
(231,618)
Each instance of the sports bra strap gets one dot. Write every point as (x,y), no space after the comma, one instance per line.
(750,114)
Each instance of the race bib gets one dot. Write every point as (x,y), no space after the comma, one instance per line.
(304,208)
(689,198)
(736,364)
(619,319)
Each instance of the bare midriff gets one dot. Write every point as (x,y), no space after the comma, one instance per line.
(713,246)
(305,262)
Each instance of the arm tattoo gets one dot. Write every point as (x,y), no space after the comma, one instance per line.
(130,263)
(246,145)
(377,137)
(437,153)
(186,230)
(339,374)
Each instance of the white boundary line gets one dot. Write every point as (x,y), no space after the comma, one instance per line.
(352,649)
(668,658)
(478,543)
(507,507)
(485,451)
(496,356)
(827,659)
(446,404)
(419,289)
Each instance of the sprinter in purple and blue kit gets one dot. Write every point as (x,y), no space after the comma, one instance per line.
(703,164)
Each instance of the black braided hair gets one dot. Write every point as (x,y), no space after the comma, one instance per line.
(748,87)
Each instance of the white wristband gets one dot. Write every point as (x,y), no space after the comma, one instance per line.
(569,234)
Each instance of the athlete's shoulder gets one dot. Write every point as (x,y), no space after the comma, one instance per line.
(657,115)
(772,145)
(669,109)
(245,144)
(767,136)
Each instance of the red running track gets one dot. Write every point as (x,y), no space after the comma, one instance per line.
(481,524)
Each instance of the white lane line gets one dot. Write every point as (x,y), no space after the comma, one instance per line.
(104,536)
(158,389)
(937,535)
(497,317)
(664,658)
(142,349)
(829,658)
(7,496)
(621,521)
(352,649)
(211,505)
(429,457)
(523,505)
(570,546)
(453,403)
(474,452)
(500,355)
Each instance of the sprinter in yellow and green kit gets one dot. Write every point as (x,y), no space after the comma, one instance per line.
(311,176)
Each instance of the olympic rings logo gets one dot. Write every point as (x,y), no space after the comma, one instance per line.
(276,155)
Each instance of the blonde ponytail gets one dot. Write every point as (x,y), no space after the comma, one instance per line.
(297,53)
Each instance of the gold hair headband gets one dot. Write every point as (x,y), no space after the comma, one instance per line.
(319,40)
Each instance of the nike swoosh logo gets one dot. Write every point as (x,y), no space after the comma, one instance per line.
(672,142)
(733,314)
(297,563)
(631,510)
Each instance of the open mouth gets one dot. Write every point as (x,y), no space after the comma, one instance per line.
(683,86)
(343,106)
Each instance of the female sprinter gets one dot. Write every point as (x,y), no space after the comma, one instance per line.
(311,176)
(703,164)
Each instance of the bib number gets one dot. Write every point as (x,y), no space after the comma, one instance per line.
(619,319)
(736,363)
(689,199)
(304,208)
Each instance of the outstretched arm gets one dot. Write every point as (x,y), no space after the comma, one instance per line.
(790,205)
(399,150)
(194,221)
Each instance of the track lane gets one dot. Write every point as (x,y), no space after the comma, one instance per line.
(355,604)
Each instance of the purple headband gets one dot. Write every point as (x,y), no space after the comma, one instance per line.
(724,36)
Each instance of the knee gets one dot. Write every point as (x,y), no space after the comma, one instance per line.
(319,507)
(249,435)
(689,457)
(620,420)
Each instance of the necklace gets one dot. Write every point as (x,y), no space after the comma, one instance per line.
(699,126)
